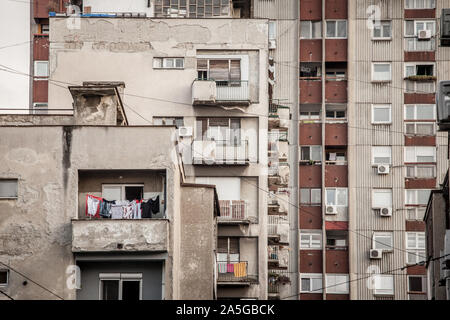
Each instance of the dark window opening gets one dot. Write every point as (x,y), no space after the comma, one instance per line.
(3,277)
(134,193)
(424,70)
(130,290)
(415,284)
(110,290)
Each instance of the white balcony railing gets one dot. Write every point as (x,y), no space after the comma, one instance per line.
(414,44)
(420,86)
(220,152)
(232,91)
(276,225)
(233,210)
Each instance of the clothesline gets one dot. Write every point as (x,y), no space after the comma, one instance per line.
(98,207)
(239,269)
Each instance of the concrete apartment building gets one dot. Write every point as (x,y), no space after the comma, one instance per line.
(313,201)
(51,163)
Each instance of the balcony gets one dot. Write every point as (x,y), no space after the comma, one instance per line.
(417,45)
(233,212)
(278,117)
(109,235)
(234,274)
(279,281)
(278,228)
(212,93)
(278,256)
(218,152)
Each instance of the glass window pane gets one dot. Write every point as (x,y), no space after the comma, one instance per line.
(8,188)
(304,196)
(342,29)
(110,290)
(331,29)
(331,196)
(316,195)
(305,31)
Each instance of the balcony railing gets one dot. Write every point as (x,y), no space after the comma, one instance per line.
(232,90)
(233,210)
(234,272)
(277,279)
(274,223)
(220,152)
(420,86)
(414,44)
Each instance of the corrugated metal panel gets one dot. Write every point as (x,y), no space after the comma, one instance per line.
(275,9)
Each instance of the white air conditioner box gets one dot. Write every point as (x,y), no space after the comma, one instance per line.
(185,131)
(424,35)
(386,212)
(272,44)
(331,210)
(376,253)
(383,169)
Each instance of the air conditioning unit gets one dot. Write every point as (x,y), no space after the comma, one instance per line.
(386,212)
(424,35)
(383,169)
(185,131)
(376,253)
(272,44)
(331,210)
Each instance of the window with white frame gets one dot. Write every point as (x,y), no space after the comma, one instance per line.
(311,29)
(168,63)
(417,196)
(311,283)
(336,112)
(336,29)
(4,277)
(382,241)
(420,4)
(417,284)
(121,286)
(383,284)
(310,196)
(419,69)
(128,192)
(8,188)
(41,70)
(310,240)
(382,198)
(381,114)
(415,247)
(310,112)
(381,71)
(272,30)
(413,27)
(337,283)
(420,128)
(382,30)
(415,213)
(420,112)
(420,154)
(336,197)
(420,171)
(311,153)
(382,155)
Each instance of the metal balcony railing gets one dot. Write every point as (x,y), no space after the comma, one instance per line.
(274,221)
(232,90)
(277,278)
(273,253)
(414,44)
(234,272)
(236,210)
(420,86)
(220,152)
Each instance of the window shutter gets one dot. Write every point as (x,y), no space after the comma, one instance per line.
(234,245)
(202,64)
(222,245)
(235,70)
(218,70)
(218,122)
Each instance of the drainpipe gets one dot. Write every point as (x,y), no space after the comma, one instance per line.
(323,117)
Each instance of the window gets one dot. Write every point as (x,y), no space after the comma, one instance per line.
(336,112)
(420,129)
(336,28)
(4,278)
(168,121)
(228,250)
(310,240)
(226,71)
(420,4)
(310,196)
(272,30)
(221,130)
(311,29)
(382,30)
(415,247)
(128,192)
(311,153)
(420,112)
(421,172)
(420,154)
(45,28)
(168,63)
(417,196)
(383,284)
(415,214)
(310,112)
(196,8)
(336,156)
(382,198)
(381,113)
(381,72)
(8,188)
(383,241)
(311,282)
(41,69)
(412,70)
(413,27)
(337,284)
(336,197)
(381,155)
(121,286)
(310,70)
(416,284)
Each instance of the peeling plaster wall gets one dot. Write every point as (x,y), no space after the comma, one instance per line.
(35,229)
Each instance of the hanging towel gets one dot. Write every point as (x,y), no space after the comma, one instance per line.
(105,208)
(93,206)
(116,211)
(230,268)
(240,269)
(222,267)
